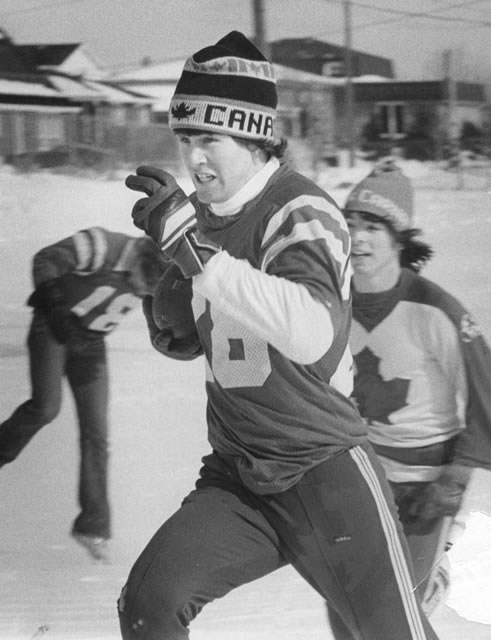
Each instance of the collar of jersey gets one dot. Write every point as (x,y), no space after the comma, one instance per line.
(250,190)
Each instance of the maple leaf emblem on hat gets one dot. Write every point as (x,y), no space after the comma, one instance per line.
(256,67)
(217,66)
(181,111)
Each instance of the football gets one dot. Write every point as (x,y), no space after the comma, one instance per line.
(171,307)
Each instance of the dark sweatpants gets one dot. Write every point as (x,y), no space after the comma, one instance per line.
(337,527)
(86,372)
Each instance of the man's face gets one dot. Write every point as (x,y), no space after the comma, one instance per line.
(218,164)
(374,248)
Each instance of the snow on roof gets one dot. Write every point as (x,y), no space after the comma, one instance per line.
(90,90)
(19,88)
(169,70)
(159,81)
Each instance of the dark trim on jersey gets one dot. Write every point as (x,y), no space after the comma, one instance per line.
(432,455)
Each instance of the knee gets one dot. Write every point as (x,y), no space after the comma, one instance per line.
(44,413)
(163,613)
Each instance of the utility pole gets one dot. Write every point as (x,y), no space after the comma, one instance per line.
(348,72)
(259,30)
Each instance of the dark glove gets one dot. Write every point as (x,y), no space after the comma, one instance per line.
(169,218)
(443,497)
(187,348)
(49,299)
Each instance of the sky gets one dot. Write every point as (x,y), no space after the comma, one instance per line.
(119,34)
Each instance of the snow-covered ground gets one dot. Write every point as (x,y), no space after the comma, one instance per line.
(48,586)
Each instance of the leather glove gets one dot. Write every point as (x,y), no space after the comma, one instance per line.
(49,299)
(169,218)
(443,497)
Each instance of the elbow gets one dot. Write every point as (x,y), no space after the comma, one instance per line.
(311,339)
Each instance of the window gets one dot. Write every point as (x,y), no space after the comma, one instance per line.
(392,120)
(50,131)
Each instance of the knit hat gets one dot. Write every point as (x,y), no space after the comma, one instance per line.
(227,88)
(387,193)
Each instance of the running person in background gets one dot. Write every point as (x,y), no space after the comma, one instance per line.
(422,372)
(84,285)
(291,477)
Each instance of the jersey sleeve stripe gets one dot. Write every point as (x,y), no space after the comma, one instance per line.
(306,232)
(124,259)
(83,248)
(305,201)
(314,230)
(91,247)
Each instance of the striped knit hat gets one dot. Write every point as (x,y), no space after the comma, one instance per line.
(387,193)
(227,88)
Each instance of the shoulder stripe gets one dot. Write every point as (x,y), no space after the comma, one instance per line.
(125,257)
(308,231)
(316,202)
(332,230)
(91,248)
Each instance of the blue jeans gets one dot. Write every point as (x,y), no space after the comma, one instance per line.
(84,364)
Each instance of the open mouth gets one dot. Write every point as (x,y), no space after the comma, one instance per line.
(203,178)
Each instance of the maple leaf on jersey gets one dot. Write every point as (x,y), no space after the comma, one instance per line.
(181,111)
(377,398)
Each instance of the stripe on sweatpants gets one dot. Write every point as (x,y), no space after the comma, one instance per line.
(395,550)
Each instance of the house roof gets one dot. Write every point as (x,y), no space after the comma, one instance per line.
(311,55)
(28,95)
(159,80)
(85,90)
(10,59)
(52,55)
(169,73)
(17,87)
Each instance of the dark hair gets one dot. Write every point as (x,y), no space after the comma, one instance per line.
(414,253)
(273,148)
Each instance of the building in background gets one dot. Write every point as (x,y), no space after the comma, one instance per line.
(325,59)
(55,103)
(418,118)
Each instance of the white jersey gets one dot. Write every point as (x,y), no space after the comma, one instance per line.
(419,366)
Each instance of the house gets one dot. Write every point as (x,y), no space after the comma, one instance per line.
(33,114)
(420,118)
(55,102)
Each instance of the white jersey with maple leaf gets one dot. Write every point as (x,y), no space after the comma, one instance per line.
(422,378)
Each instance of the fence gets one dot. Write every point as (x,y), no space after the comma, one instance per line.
(105,148)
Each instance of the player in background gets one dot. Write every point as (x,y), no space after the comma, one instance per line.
(291,478)
(422,373)
(84,285)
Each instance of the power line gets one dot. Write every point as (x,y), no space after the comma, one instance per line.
(406,14)
(431,14)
